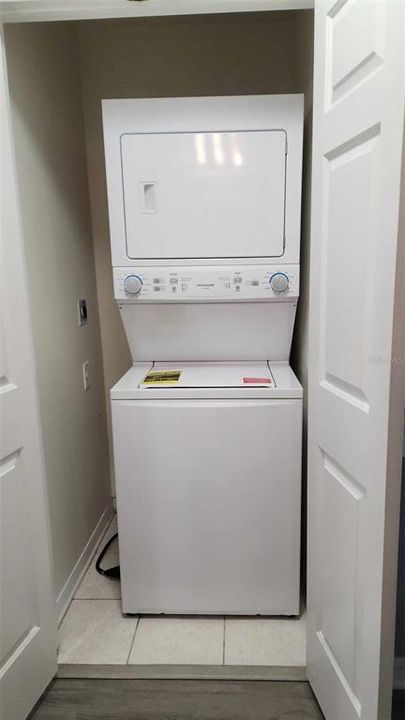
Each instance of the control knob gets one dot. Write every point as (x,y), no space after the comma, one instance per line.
(133,284)
(279,282)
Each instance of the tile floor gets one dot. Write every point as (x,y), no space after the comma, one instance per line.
(94,632)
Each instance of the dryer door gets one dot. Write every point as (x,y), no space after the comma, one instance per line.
(204,195)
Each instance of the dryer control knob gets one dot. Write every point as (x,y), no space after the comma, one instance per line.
(133,284)
(279,282)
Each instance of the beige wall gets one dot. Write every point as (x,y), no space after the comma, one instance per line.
(52,174)
(183,56)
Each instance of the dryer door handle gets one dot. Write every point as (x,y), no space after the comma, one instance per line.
(148,197)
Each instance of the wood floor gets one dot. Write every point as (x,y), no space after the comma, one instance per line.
(184,700)
(177,700)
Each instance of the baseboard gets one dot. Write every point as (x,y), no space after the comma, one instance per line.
(67,593)
(399,673)
(183,672)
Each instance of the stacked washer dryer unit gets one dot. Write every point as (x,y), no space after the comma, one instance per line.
(204,201)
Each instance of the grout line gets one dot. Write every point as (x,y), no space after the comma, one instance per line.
(223,643)
(133,640)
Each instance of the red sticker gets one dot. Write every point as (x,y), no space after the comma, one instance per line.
(255,380)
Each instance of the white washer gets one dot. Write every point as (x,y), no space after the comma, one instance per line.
(204,202)
(209,489)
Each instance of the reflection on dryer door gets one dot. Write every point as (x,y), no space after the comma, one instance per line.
(208,496)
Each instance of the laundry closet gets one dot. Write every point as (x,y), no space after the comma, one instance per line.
(62,76)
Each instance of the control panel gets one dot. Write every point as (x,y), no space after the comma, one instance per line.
(209,284)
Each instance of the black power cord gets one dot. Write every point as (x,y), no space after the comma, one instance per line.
(113,572)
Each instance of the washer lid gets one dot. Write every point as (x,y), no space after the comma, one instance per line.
(209,380)
(207,375)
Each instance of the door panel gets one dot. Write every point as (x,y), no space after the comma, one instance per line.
(339,501)
(28,619)
(358,125)
(353,54)
(16,576)
(187,194)
(349,178)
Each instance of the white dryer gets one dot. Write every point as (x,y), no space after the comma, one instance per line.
(204,201)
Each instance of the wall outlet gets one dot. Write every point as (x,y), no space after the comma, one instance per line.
(86,375)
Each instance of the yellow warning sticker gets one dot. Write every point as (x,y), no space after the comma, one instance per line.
(162,377)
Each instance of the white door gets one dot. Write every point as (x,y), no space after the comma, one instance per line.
(27,606)
(354,462)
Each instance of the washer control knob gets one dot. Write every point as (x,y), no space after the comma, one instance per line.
(279,282)
(133,284)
